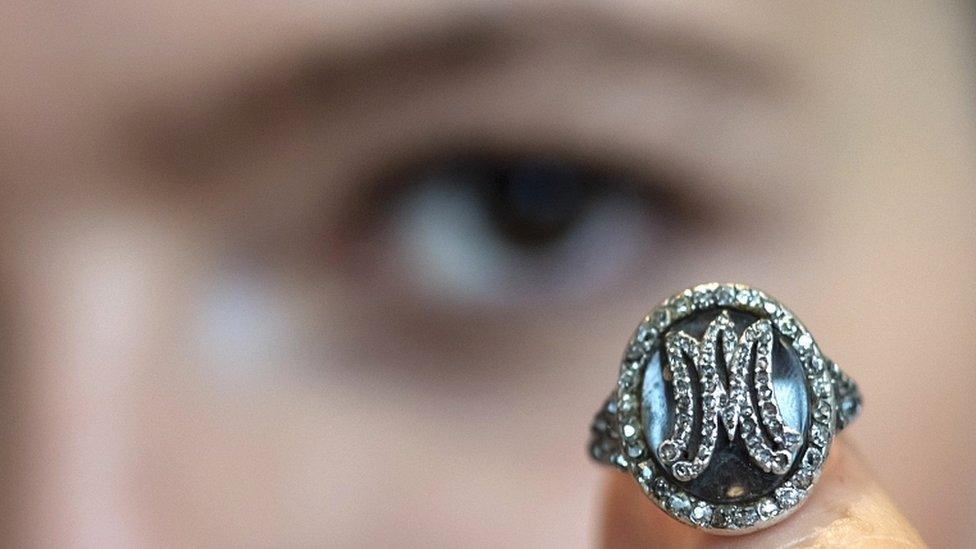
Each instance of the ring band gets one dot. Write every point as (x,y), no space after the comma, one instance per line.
(725,409)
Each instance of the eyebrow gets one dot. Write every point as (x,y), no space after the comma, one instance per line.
(187,140)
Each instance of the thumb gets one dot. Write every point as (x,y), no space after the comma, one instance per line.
(846,509)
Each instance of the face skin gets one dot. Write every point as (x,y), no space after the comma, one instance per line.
(235,315)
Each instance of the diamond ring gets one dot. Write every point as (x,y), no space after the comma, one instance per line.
(725,409)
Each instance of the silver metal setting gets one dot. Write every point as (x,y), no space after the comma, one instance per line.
(741,401)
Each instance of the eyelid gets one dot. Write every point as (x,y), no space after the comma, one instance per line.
(309,73)
(321,55)
(323,167)
(665,190)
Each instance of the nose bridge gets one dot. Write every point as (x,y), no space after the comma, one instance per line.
(81,309)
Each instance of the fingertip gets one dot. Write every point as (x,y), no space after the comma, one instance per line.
(846,508)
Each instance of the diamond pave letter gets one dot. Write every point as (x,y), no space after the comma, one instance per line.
(733,404)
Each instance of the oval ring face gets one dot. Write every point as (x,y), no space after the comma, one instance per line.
(725,408)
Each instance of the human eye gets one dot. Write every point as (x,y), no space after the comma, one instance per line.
(407,178)
(514,230)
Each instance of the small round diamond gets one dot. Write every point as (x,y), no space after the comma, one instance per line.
(668,452)
(679,503)
(787,496)
(723,517)
(661,488)
(725,295)
(743,297)
(803,478)
(702,513)
(703,298)
(747,516)
(661,318)
(646,471)
(819,434)
(767,509)
(812,459)
(822,412)
(682,306)
(635,449)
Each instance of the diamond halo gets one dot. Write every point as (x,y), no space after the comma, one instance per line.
(623,443)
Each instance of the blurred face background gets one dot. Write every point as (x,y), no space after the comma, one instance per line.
(358,274)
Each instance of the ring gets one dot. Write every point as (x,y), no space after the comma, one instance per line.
(725,409)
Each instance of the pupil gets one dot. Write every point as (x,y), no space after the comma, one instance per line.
(536,203)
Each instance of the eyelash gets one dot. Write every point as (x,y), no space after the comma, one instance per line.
(379,209)
(386,186)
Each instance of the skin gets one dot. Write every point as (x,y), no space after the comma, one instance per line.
(211,337)
(848,509)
